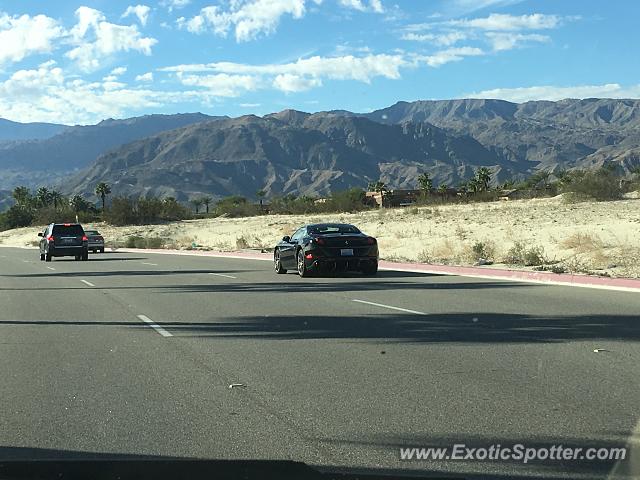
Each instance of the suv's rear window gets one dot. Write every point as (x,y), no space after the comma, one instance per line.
(91,232)
(71,230)
(320,229)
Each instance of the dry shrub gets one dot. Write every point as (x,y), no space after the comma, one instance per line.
(583,242)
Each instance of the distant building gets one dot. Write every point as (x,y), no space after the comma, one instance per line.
(392,198)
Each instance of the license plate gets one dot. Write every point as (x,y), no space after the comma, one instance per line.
(68,240)
(346,252)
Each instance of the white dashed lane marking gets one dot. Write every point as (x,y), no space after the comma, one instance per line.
(222,275)
(155,326)
(390,307)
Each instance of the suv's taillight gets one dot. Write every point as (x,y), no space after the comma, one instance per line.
(50,238)
(84,238)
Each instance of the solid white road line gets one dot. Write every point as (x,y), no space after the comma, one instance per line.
(155,326)
(51,268)
(88,283)
(222,275)
(390,307)
(152,264)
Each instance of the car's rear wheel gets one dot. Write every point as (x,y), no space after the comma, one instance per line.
(77,257)
(85,256)
(277,263)
(302,266)
(371,269)
(42,257)
(47,257)
(102,250)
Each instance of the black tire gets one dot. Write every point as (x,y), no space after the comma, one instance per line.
(47,257)
(371,269)
(102,250)
(42,257)
(302,265)
(277,265)
(85,256)
(77,257)
(94,250)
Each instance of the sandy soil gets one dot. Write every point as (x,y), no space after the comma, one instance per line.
(602,238)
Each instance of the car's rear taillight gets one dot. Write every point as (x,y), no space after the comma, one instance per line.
(308,256)
(84,238)
(50,238)
(371,240)
(67,224)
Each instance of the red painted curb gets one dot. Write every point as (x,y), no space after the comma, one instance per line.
(622,284)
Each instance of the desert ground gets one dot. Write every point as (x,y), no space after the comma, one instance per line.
(587,237)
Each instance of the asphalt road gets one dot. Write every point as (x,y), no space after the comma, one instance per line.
(134,354)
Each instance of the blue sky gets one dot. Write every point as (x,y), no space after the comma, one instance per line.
(83,61)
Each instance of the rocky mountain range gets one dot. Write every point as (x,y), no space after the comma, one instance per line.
(65,150)
(313,154)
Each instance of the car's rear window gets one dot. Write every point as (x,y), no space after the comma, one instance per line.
(71,230)
(319,229)
(91,232)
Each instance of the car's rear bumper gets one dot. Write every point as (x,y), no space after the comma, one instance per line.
(67,251)
(341,264)
(96,244)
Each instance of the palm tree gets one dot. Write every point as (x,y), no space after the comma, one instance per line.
(56,198)
(43,196)
(379,187)
(425,183)
(22,196)
(102,190)
(261,194)
(483,178)
(197,202)
(442,189)
(78,204)
(206,201)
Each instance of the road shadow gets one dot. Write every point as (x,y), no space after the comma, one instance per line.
(21,463)
(493,467)
(458,328)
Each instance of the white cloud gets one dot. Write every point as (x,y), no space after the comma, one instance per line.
(25,35)
(506,22)
(450,55)
(507,41)
(140,11)
(468,6)
(46,94)
(249,105)
(222,84)
(175,4)
(290,83)
(119,71)
(145,77)
(107,39)
(248,18)
(346,67)
(360,5)
(441,39)
(549,92)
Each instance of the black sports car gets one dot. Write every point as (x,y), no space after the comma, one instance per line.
(327,247)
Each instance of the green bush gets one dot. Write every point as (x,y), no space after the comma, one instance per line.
(136,241)
(602,184)
(520,254)
(16,217)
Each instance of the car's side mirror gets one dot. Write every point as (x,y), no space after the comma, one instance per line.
(40,234)
(286,238)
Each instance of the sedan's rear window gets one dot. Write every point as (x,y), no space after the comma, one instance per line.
(91,232)
(320,229)
(71,230)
